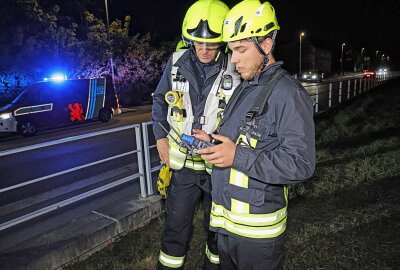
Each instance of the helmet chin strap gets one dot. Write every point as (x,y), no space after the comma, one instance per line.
(261,50)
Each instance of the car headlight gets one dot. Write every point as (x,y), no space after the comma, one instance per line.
(304,76)
(5,116)
(314,76)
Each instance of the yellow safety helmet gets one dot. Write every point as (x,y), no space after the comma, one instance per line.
(248,19)
(203,21)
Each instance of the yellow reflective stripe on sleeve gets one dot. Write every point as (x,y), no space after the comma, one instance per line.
(171,261)
(213,258)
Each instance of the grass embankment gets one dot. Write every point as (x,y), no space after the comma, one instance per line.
(346,217)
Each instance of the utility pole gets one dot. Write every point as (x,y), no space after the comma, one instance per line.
(341,60)
(109,40)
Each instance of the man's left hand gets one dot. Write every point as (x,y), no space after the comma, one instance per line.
(220,155)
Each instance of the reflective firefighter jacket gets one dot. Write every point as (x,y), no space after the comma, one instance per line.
(274,148)
(196,94)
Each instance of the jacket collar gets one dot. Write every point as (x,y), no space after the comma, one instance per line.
(265,72)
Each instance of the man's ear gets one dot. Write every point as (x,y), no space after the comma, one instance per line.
(267,44)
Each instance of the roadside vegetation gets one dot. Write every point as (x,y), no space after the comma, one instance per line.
(346,217)
(38,39)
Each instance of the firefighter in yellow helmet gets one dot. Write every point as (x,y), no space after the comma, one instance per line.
(268,142)
(191,94)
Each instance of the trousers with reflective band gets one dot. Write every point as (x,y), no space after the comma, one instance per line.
(171,261)
(239,220)
(187,188)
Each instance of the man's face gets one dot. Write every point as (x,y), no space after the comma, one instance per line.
(246,57)
(206,52)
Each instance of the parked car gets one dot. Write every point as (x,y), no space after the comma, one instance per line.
(368,74)
(55,103)
(312,75)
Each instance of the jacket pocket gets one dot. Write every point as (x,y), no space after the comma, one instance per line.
(264,128)
(251,196)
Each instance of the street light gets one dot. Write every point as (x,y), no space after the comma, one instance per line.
(341,60)
(362,51)
(301,35)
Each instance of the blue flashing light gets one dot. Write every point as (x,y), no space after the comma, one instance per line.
(56,78)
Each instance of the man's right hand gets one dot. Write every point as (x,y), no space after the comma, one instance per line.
(163,150)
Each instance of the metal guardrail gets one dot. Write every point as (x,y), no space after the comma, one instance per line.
(328,95)
(90,193)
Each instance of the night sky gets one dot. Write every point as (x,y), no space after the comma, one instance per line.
(371,24)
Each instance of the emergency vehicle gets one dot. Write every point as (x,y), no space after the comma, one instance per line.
(55,103)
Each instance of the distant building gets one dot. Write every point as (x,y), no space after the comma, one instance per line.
(312,57)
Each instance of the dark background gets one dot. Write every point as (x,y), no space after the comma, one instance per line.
(371,24)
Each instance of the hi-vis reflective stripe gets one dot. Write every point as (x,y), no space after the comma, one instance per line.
(178,158)
(250,225)
(209,167)
(171,261)
(213,258)
(249,219)
(240,179)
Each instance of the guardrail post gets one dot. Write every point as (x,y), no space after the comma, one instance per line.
(355,88)
(147,157)
(317,99)
(348,90)
(140,161)
(365,85)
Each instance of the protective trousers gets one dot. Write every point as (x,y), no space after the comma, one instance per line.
(240,253)
(186,188)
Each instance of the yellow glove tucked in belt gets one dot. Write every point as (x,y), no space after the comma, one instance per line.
(164,177)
